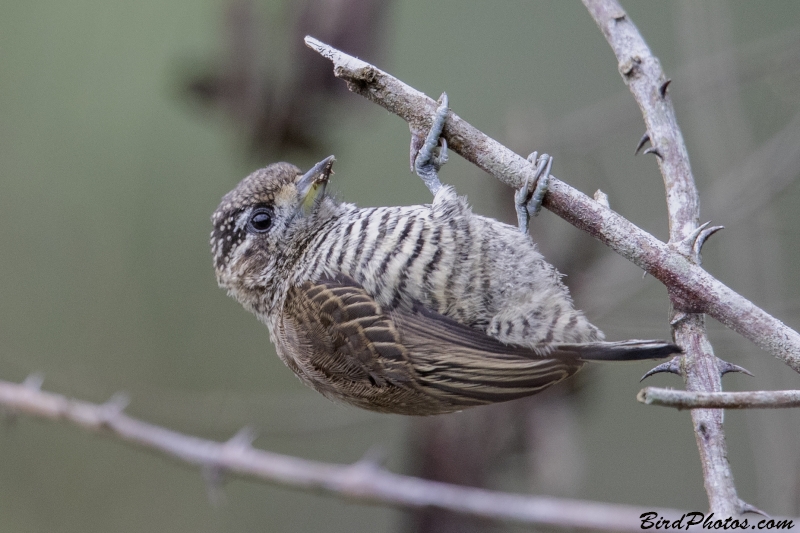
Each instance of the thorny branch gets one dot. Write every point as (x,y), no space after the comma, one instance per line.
(680,399)
(642,72)
(692,290)
(364,481)
(718,73)
(775,163)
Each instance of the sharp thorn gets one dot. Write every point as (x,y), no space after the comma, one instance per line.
(34,381)
(725,367)
(642,142)
(113,407)
(673,366)
(601,198)
(745,507)
(653,150)
(704,234)
(214,473)
(117,403)
(687,244)
(691,244)
(243,438)
(696,231)
(663,89)
(678,318)
(374,457)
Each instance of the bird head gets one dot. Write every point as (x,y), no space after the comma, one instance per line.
(254,222)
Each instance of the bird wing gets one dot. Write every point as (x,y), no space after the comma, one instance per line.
(453,359)
(335,337)
(413,356)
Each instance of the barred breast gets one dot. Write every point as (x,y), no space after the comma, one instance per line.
(476,270)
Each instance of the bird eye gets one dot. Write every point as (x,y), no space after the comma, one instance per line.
(260,221)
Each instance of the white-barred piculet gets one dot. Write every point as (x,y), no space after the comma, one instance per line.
(417,310)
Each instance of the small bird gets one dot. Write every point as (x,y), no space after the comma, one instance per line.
(416,310)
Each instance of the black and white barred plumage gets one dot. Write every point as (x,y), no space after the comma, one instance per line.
(417,310)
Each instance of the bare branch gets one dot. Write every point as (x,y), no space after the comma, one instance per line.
(773,399)
(364,480)
(688,282)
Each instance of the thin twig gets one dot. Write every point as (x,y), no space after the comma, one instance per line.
(762,399)
(364,481)
(694,287)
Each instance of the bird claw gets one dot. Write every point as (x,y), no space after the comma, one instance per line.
(673,366)
(528,203)
(429,155)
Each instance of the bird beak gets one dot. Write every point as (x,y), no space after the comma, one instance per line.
(319,174)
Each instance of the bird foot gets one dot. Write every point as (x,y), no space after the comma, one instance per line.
(528,199)
(429,157)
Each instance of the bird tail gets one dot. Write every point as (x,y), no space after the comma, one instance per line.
(632,350)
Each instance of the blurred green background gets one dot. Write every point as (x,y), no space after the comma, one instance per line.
(116,144)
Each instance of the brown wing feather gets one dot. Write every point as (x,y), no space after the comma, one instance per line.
(336,338)
(460,361)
